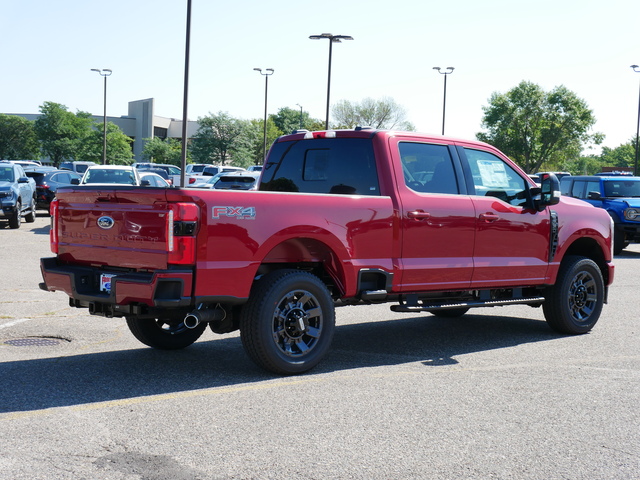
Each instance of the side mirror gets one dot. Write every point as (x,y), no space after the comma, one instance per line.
(145,183)
(595,195)
(549,191)
(23,180)
(75,181)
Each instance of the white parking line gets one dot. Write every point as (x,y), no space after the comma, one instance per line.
(15,322)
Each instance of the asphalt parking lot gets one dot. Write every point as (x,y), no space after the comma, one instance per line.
(493,395)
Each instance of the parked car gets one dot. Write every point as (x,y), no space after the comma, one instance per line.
(153,179)
(212,170)
(559,175)
(78,167)
(110,175)
(48,179)
(158,171)
(27,163)
(173,172)
(618,195)
(254,168)
(236,181)
(196,168)
(209,171)
(17,194)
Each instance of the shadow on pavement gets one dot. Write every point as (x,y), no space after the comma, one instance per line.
(97,377)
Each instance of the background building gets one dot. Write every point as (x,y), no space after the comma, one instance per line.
(141,123)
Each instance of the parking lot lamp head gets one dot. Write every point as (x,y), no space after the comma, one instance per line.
(447,72)
(332,39)
(268,72)
(104,72)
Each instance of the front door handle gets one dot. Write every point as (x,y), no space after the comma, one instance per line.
(418,215)
(489,217)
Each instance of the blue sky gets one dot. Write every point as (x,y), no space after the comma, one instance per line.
(48,49)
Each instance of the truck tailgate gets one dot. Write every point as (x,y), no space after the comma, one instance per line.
(117,227)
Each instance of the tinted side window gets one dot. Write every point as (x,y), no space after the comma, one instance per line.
(577,191)
(328,165)
(492,177)
(428,168)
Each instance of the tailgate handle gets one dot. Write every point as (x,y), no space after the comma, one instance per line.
(108,198)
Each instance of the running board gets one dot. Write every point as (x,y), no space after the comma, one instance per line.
(533,301)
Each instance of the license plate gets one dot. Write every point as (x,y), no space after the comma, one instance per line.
(105,282)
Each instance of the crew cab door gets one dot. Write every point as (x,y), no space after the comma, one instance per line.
(512,238)
(437,218)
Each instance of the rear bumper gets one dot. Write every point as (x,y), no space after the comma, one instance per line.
(130,292)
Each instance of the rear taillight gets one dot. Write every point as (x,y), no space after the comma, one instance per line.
(53,233)
(192,180)
(182,226)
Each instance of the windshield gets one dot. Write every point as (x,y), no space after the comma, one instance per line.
(6,174)
(98,175)
(622,188)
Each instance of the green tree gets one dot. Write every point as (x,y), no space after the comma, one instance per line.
(167,151)
(118,145)
(216,138)
(18,139)
(381,114)
(622,156)
(537,128)
(60,132)
(288,119)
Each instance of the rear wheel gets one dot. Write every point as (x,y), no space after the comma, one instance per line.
(164,334)
(31,216)
(573,305)
(288,323)
(14,220)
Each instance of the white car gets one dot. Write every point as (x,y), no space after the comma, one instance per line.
(111,175)
(154,180)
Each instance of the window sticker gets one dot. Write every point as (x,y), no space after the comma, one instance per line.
(493,174)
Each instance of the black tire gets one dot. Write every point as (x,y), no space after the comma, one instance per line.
(573,305)
(31,216)
(287,325)
(14,220)
(449,312)
(163,334)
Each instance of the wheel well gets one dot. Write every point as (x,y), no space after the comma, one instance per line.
(588,247)
(310,255)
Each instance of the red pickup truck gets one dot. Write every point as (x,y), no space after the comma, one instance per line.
(430,223)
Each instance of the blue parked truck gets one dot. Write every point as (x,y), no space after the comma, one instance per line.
(618,195)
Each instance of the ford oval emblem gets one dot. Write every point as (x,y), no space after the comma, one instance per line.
(105,222)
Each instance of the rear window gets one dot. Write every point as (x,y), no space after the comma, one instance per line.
(343,166)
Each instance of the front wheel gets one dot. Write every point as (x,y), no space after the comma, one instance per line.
(573,305)
(14,220)
(287,325)
(164,334)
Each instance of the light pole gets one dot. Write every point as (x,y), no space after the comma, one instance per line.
(300,115)
(447,72)
(268,72)
(105,72)
(332,39)
(635,165)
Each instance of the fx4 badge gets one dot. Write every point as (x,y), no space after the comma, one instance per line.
(240,213)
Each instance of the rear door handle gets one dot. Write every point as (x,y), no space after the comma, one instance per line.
(489,217)
(419,215)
